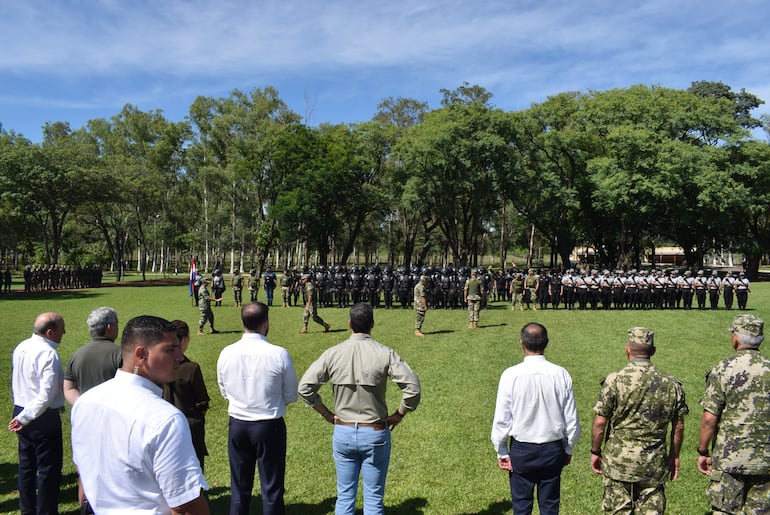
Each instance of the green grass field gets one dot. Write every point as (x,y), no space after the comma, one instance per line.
(442,462)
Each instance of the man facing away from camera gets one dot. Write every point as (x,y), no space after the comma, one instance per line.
(359,369)
(536,426)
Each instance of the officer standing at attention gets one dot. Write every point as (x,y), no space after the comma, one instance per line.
(742,290)
(472,293)
(728,289)
(420,305)
(714,284)
(734,445)
(637,405)
(237,283)
(253,285)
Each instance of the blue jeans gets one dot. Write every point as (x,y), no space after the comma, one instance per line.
(365,451)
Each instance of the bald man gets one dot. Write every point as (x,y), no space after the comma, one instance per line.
(38,399)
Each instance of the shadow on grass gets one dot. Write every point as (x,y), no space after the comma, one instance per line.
(497,508)
(444,331)
(490,326)
(219,502)
(407,507)
(9,486)
(57,295)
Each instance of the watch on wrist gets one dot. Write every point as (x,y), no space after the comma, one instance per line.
(596,452)
(703,452)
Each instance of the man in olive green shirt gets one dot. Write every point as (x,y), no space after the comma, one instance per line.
(358,370)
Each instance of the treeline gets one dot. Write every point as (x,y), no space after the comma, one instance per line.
(243,179)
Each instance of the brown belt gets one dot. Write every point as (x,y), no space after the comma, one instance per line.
(379,426)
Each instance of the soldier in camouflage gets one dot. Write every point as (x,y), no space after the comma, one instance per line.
(635,408)
(734,445)
(311,305)
(472,293)
(204,304)
(420,305)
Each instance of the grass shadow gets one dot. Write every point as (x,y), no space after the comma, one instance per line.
(496,508)
(490,326)
(407,507)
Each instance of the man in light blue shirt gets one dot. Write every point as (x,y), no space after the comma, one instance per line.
(536,426)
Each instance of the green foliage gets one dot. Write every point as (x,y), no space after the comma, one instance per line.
(615,170)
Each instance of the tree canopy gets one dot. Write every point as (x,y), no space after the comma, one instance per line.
(622,171)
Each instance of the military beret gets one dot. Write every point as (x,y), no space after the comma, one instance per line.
(641,336)
(750,325)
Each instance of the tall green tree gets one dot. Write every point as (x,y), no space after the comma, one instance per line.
(46,182)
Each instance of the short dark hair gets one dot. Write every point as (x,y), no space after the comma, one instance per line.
(146,330)
(182,329)
(361,318)
(253,315)
(534,336)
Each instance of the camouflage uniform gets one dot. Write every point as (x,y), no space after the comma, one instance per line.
(738,394)
(286,281)
(472,291)
(311,308)
(237,283)
(204,304)
(639,403)
(420,304)
(253,285)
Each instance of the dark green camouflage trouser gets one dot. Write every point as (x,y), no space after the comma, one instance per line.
(419,319)
(636,498)
(738,493)
(474,305)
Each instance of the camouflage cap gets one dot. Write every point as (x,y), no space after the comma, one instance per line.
(750,325)
(641,336)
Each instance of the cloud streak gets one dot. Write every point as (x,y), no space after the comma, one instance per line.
(520,50)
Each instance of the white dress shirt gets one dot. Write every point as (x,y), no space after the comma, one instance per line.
(37,378)
(257,378)
(133,450)
(535,404)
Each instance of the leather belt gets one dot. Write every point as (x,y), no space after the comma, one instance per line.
(378,426)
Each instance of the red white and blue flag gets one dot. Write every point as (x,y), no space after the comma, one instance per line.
(193,272)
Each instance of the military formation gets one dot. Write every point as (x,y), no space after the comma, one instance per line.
(60,277)
(574,289)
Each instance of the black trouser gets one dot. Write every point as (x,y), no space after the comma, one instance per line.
(700,294)
(257,443)
(40,463)
(728,295)
(714,298)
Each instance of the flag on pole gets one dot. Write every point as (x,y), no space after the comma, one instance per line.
(193,272)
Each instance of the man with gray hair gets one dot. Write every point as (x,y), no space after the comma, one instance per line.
(734,445)
(635,409)
(96,361)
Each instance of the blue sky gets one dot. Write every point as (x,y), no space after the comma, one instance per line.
(334,61)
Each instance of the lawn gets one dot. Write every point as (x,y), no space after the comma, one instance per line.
(442,462)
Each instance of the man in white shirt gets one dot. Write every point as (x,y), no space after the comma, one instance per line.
(132,448)
(536,425)
(258,380)
(38,400)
